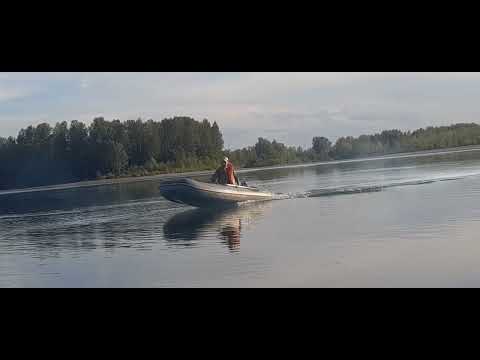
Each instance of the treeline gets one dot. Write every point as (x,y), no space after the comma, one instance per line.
(396,141)
(266,153)
(43,155)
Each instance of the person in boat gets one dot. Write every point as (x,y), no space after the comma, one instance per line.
(225,174)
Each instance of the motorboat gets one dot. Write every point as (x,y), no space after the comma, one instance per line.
(201,194)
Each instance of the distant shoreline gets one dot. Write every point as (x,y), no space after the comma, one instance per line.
(133,179)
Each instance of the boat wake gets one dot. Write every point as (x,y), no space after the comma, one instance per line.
(370,187)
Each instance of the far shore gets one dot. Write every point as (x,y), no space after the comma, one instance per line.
(131,179)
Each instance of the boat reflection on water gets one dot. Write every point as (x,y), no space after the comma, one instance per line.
(226,224)
(230,234)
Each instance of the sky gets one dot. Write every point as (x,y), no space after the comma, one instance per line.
(289,107)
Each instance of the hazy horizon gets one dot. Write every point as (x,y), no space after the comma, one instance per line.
(288,107)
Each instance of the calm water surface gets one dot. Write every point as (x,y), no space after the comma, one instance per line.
(411,221)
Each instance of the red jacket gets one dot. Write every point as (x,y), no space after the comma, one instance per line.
(230,174)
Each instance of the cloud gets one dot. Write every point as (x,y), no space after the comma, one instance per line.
(10,94)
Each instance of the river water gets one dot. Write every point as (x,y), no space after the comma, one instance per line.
(406,221)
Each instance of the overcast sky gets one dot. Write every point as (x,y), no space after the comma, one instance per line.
(290,107)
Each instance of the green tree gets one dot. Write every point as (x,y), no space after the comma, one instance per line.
(117,158)
(60,138)
(321,147)
(80,150)
(42,134)
(217,140)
